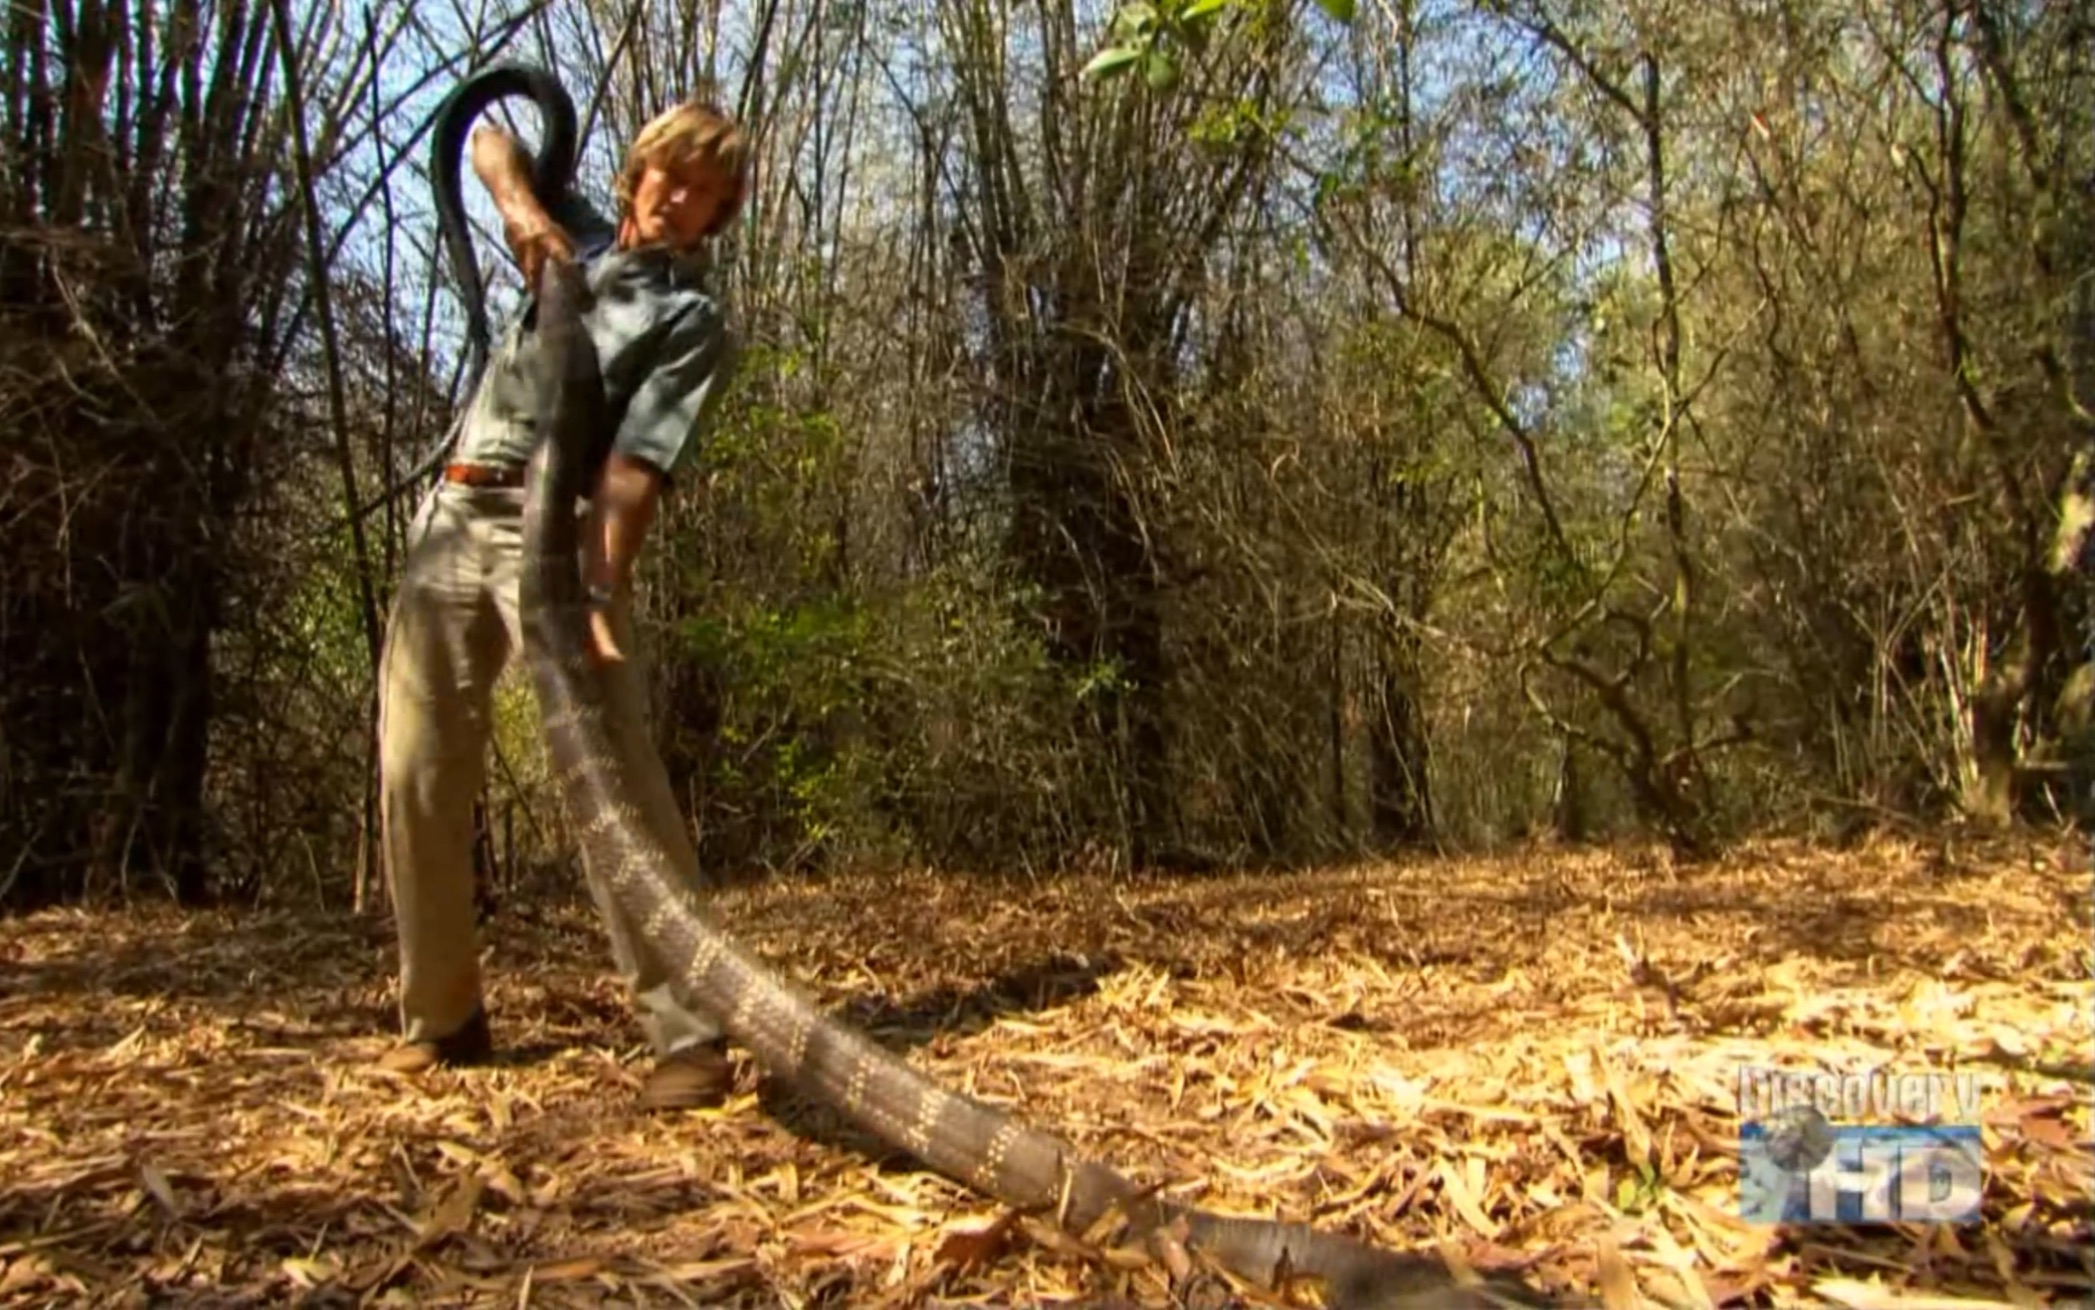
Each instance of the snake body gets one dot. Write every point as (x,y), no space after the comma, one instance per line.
(553,167)
(967,1140)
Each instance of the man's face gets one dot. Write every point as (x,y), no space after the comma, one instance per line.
(675,202)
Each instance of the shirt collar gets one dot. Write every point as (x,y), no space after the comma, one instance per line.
(688,268)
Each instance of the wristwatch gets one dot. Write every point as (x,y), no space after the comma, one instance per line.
(601,596)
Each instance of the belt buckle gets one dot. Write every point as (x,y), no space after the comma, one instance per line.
(483,475)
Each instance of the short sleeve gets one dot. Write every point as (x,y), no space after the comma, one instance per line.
(667,408)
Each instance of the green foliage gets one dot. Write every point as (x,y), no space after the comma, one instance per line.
(918,717)
(320,614)
(918,720)
(1148,34)
(1228,123)
(792,676)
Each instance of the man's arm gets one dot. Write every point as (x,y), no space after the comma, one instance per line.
(620,514)
(504,168)
(662,421)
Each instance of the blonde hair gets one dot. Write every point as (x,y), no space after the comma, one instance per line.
(687,133)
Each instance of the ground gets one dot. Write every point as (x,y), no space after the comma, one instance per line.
(1527,1061)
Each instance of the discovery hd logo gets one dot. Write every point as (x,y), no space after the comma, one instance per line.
(1805,1159)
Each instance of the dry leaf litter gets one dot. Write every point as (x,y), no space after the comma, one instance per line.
(1523,1062)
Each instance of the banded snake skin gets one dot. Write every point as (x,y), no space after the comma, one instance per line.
(968,1141)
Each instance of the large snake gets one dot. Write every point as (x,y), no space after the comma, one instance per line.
(966,1140)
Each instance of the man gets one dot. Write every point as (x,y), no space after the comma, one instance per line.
(665,354)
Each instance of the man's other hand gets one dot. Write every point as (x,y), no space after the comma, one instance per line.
(603,644)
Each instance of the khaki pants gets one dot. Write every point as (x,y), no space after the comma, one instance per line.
(453,628)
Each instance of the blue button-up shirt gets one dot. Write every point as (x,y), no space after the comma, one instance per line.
(661,341)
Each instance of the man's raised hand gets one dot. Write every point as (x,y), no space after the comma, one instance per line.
(535,243)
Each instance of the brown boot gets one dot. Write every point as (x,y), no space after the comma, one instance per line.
(694,1078)
(471,1044)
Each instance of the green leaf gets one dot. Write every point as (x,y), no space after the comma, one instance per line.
(1111,60)
(1134,19)
(1200,9)
(1161,70)
(1342,10)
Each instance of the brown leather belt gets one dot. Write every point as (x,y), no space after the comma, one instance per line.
(485,475)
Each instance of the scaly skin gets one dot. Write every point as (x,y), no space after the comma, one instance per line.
(974,1144)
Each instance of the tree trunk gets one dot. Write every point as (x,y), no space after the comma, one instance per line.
(1400,799)
(2001,701)
(1336,726)
(152,818)
(1567,802)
